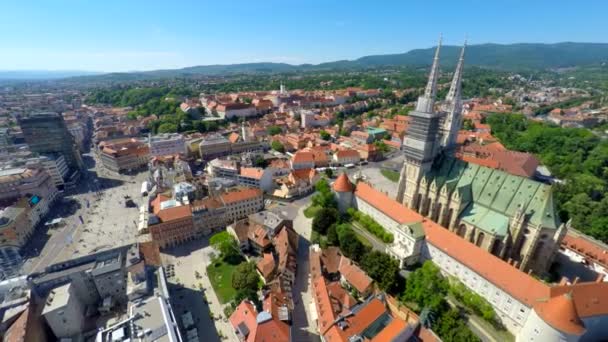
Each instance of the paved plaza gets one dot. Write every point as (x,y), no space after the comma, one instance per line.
(94,218)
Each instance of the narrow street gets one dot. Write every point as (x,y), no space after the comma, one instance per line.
(303,327)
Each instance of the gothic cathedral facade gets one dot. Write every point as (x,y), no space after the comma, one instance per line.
(510,216)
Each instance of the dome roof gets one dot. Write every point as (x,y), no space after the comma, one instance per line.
(560,313)
(343,184)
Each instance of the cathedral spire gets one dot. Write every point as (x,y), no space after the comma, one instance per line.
(455,88)
(427,100)
(431,87)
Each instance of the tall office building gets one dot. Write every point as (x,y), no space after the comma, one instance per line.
(47,133)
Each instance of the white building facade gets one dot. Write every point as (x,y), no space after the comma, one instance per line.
(166,144)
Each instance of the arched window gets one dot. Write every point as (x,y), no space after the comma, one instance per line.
(436,213)
(537,250)
(480,238)
(496,246)
(462,231)
(448,218)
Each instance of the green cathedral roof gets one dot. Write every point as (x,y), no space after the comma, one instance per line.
(493,196)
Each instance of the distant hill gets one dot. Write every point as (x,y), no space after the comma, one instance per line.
(42,74)
(498,56)
(509,57)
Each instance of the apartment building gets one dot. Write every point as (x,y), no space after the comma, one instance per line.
(241,202)
(124,155)
(171,222)
(27,182)
(235,110)
(256,177)
(347,156)
(166,144)
(213,146)
(208,216)
(48,133)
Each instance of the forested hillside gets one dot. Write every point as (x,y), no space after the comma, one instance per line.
(575,155)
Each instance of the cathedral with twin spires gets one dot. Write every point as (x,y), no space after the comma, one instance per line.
(510,216)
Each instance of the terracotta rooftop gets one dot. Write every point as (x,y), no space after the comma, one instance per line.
(354,275)
(252,172)
(386,205)
(241,194)
(343,184)
(518,284)
(586,247)
(358,322)
(150,252)
(391,331)
(175,213)
(266,265)
(330,258)
(590,299)
(244,318)
(320,294)
(560,313)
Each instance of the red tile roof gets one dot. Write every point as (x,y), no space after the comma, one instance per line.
(391,331)
(150,252)
(590,299)
(518,284)
(356,323)
(343,184)
(331,257)
(266,266)
(385,204)
(325,313)
(245,313)
(347,153)
(586,247)
(241,194)
(175,213)
(252,172)
(560,313)
(354,275)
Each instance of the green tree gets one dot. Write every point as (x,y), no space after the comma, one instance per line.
(259,161)
(323,219)
(332,235)
(324,135)
(468,125)
(451,328)
(277,146)
(329,172)
(227,246)
(274,130)
(382,268)
(426,287)
(349,243)
(167,128)
(245,277)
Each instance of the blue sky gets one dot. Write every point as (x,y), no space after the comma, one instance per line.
(114,35)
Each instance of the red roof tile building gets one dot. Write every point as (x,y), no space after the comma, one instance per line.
(170,224)
(518,298)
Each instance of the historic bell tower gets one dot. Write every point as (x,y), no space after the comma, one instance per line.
(453,107)
(421,143)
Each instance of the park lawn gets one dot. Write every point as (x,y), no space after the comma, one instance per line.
(393,176)
(221,280)
(311,211)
